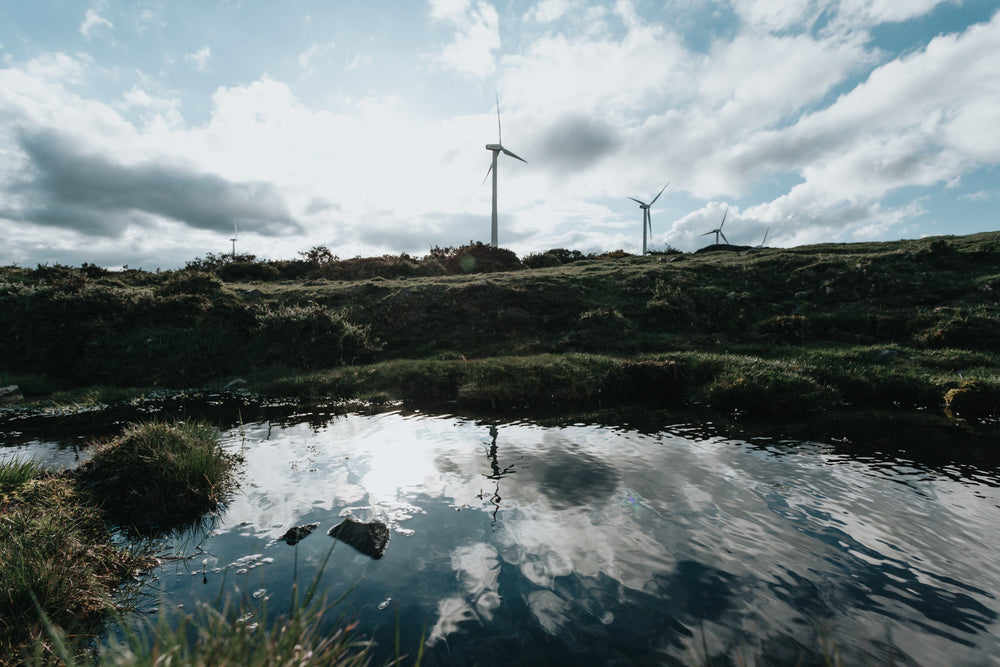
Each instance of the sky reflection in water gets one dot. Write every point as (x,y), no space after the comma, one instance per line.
(593,545)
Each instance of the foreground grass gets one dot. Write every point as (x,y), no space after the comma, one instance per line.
(59,564)
(56,553)
(248,636)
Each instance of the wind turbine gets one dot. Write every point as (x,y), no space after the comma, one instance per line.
(765,238)
(647,219)
(235,235)
(497,148)
(718,230)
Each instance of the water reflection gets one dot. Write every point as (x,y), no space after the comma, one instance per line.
(614,545)
(496,473)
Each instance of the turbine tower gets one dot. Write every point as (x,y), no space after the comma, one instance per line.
(235,235)
(497,148)
(718,230)
(647,218)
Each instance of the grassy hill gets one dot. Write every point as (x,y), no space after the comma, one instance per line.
(907,324)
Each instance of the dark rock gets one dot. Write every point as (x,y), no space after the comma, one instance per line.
(368,538)
(296,534)
(10,394)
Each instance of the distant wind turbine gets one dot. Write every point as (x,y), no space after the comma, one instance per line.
(765,238)
(235,236)
(647,219)
(497,148)
(718,230)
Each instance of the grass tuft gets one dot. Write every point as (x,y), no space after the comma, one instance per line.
(57,558)
(157,475)
(15,473)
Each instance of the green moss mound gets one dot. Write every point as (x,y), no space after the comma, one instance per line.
(160,474)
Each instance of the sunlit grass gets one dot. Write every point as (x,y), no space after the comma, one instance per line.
(56,556)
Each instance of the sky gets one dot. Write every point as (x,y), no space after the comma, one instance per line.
(148,133)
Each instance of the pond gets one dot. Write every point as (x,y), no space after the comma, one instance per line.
(517,543)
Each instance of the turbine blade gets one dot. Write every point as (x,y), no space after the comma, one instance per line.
(499,129)
(659,193)
(724,237)
(507,152)
(765,236)
(724,218)
(707,233)
(640,203)
(487,173)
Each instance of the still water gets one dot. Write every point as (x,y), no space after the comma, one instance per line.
(514,543)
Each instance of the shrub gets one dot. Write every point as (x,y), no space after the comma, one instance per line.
(310,336)
(553,257)
(476,258)
(190,282)
(600,329)
(247,272)
(540,261)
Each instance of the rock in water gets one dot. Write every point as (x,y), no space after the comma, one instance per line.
(296,534)
(368,538)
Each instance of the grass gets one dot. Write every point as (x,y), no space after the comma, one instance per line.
(314,632)
(59,565)
(247,635)
(58,557)
(779,381)
(14,474)
(156,475)
(776,331)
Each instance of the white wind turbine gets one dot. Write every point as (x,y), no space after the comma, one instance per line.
(497,148)
(718,231)
(234,239)
(647,218)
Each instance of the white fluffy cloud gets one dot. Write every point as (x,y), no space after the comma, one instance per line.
(792,118)
(477,36)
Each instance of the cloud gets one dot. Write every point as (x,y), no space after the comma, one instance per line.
(574,142)
(93,22)
(477,37)
(316,51)
(357,61)
(548,11)
(93,194)
(917,120)
(200,58)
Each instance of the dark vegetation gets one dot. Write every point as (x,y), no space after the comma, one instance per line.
(60,565)
(907,324)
